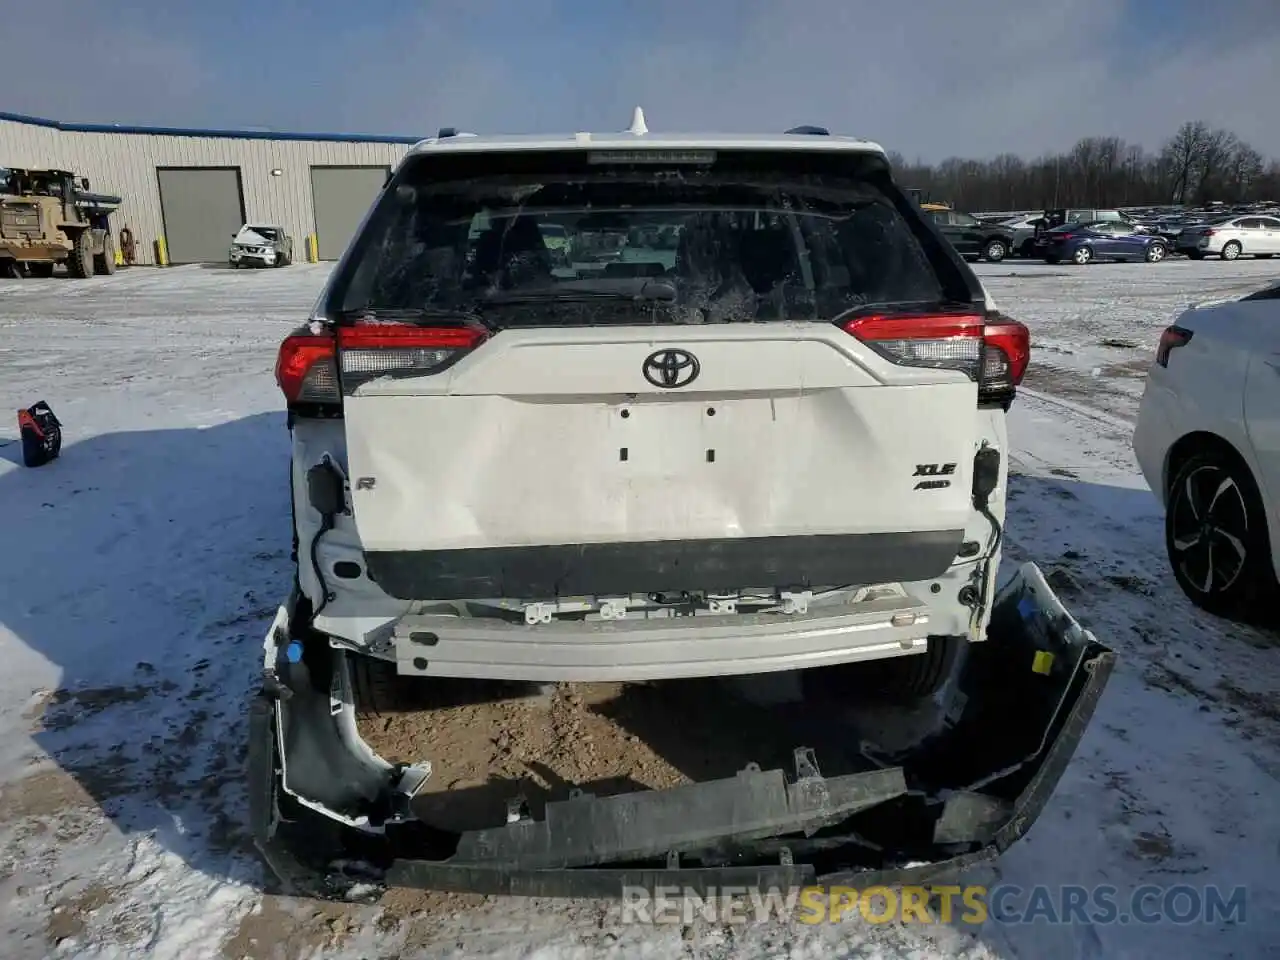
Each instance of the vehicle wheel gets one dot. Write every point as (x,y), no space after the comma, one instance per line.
(1216,536)
(42,270)
(914,677)
(105,262)
(1082,255)
(379,691)
(1195,254)
(995,251)
(80,263)
(1156,252)
(1231,250)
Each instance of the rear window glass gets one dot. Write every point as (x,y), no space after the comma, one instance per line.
(551,239)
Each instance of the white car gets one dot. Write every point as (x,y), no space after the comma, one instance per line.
(1208,441)
(1250,235)
(780,446)
(261,244)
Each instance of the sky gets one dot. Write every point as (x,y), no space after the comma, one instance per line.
(926,78)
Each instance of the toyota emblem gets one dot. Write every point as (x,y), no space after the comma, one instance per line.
(671,368)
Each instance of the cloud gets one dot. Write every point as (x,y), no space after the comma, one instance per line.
(927,78)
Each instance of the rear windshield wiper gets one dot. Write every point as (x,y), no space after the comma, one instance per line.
(636,289)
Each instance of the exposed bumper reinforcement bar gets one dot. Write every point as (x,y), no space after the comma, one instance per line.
(328,814)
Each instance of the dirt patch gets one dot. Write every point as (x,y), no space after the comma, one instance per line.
(285,929)
(42,794)
(70,915)
(1153,846)
(488,747)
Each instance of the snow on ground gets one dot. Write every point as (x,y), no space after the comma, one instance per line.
(1104,321)
(140,571)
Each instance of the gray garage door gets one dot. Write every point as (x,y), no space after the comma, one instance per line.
(342,196)
(202,208)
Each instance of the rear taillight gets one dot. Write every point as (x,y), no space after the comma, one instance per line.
(1170,340)
(1207,233)
(994,355)
(369,351)
(305,369)
(1006,352)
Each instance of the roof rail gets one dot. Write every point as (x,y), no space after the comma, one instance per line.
(811,130)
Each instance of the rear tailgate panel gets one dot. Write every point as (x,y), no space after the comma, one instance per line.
(535,442)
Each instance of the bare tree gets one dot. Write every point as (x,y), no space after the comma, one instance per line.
(1183,153)
(1197,162)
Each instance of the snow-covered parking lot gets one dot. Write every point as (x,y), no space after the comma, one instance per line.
(139,572)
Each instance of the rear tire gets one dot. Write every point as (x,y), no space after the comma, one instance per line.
(104,263)
(913,677)
(378,690)
(1082,256)
(1231,250)
(80,263)
(1216,537)
(41,270)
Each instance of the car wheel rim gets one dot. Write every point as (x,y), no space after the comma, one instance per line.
(1082,256)
(1231,251)
(995,252)
(1156,254)
(1209,526)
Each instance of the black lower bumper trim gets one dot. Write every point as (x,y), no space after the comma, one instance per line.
(656,566)
(593,883)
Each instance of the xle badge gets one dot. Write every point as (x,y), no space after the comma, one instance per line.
(933,470)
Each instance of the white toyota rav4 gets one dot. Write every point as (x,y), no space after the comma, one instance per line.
(636,406)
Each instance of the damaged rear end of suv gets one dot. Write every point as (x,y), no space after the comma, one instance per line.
(755,428)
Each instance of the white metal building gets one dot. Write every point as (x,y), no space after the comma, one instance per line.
(192,189)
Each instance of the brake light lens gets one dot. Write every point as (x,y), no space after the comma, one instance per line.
(305,369)
(1207,233)
(1006,353)
(1170,340)
(993,354)
(369,351)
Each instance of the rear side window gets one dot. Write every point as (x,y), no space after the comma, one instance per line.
(555,239)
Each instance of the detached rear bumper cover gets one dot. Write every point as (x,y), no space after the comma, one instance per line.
(327,813)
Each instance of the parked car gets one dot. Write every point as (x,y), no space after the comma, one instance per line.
(1208,441)
(1024,229)
(1061,215)
(1231,238)
(261,244)
(972,238)
(1083,243)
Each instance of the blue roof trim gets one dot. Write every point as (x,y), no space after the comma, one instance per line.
(197,132)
